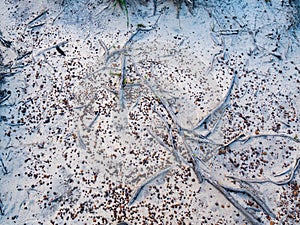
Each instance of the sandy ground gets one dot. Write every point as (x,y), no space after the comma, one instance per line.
(165,118)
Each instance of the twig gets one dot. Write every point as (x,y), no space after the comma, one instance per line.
(5,98)
(221,105)
(15,124)
(135,103)
(24,55)
(258,200)
(202,139)
(67,193)
(1,208)
(81,142)
(191,6)
(55,18)
(244,139)
(237,205)
(4,168)
(161,100)
(122,83)
(217,122)
(141,29)
(174,150)
(38,17)
(217,42)
(94,120)
(102,10)
(154,7)
(60,51)
(145,183)
(36,25)
(116,53)
(179,3)
(268,180)
(238,138)
(202,174)
(158,139)
(4,42)
(52,47)
(247,138)
(196,166)
(106,51)
(7,74)
(163,144)
(228,32)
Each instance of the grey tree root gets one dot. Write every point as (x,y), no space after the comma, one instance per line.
(145,183)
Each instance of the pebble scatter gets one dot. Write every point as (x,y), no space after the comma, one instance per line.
(108,123)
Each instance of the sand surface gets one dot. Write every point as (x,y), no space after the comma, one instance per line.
(167,117)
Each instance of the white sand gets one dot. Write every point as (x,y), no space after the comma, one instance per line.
(78,147)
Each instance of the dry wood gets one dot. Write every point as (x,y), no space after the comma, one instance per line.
(221,106)
(122,83)
(147,182)
(269,180)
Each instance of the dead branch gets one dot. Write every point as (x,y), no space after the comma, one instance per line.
(1,208)
(81,142)
(248,138)
(52,47)
(122,83)
(38,17)
(196,166)
(217,122)
(4,42)
(175,152)
(129,41)
(141,29)
(211,180)
(244,139)
(158,139)
(202,173)
(154,7)
(145,183)
(257,199)
(163,144)
(268,180)
(237,205)
(106,51)
(4,98)
(94,120)
(221,105)
(164,103)
(4,168)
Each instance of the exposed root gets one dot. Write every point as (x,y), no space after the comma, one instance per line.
(269,180)
(221,106)
(147,182)
(122,83)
